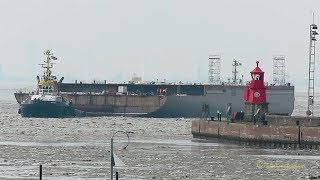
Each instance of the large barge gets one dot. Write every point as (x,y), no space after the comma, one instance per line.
(160,99)
(166,100)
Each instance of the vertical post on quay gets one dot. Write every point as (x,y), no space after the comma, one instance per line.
(299,132)
(40,172)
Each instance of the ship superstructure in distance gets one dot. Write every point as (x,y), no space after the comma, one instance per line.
(155,99)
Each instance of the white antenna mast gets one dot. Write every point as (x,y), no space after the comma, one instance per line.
(312,58)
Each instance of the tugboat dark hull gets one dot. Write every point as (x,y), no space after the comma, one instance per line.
(48,109)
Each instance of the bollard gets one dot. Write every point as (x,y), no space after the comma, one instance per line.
(40,173)
(117,175)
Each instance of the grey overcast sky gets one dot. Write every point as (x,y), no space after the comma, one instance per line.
(163,39)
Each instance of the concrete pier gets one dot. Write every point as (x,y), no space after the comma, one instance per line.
(285,137)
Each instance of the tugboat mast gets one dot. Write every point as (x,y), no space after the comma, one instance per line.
(47,63)
(312,51)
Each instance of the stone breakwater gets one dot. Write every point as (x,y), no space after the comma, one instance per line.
(260,135)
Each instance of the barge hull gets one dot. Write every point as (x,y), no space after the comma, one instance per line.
(173,104)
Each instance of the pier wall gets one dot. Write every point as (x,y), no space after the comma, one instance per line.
(291,120)
(293,135)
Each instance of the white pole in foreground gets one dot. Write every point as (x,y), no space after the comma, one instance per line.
(112,161)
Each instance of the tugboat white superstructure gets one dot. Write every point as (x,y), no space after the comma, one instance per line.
(47,102)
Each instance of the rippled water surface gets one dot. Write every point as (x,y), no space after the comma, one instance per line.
(79,148)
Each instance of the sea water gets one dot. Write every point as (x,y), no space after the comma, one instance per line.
(79,148)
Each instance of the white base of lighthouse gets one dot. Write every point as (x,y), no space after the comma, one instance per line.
(255,111)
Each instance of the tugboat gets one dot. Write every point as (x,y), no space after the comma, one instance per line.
(46,102)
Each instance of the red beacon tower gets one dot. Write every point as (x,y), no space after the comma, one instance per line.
(256,105)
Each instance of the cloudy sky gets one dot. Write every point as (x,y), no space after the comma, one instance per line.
(156,39)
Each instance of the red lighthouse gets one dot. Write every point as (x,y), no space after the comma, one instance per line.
(255,95)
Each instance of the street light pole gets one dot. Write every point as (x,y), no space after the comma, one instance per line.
(112,162)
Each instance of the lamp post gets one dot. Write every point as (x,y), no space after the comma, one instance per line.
(111,150)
